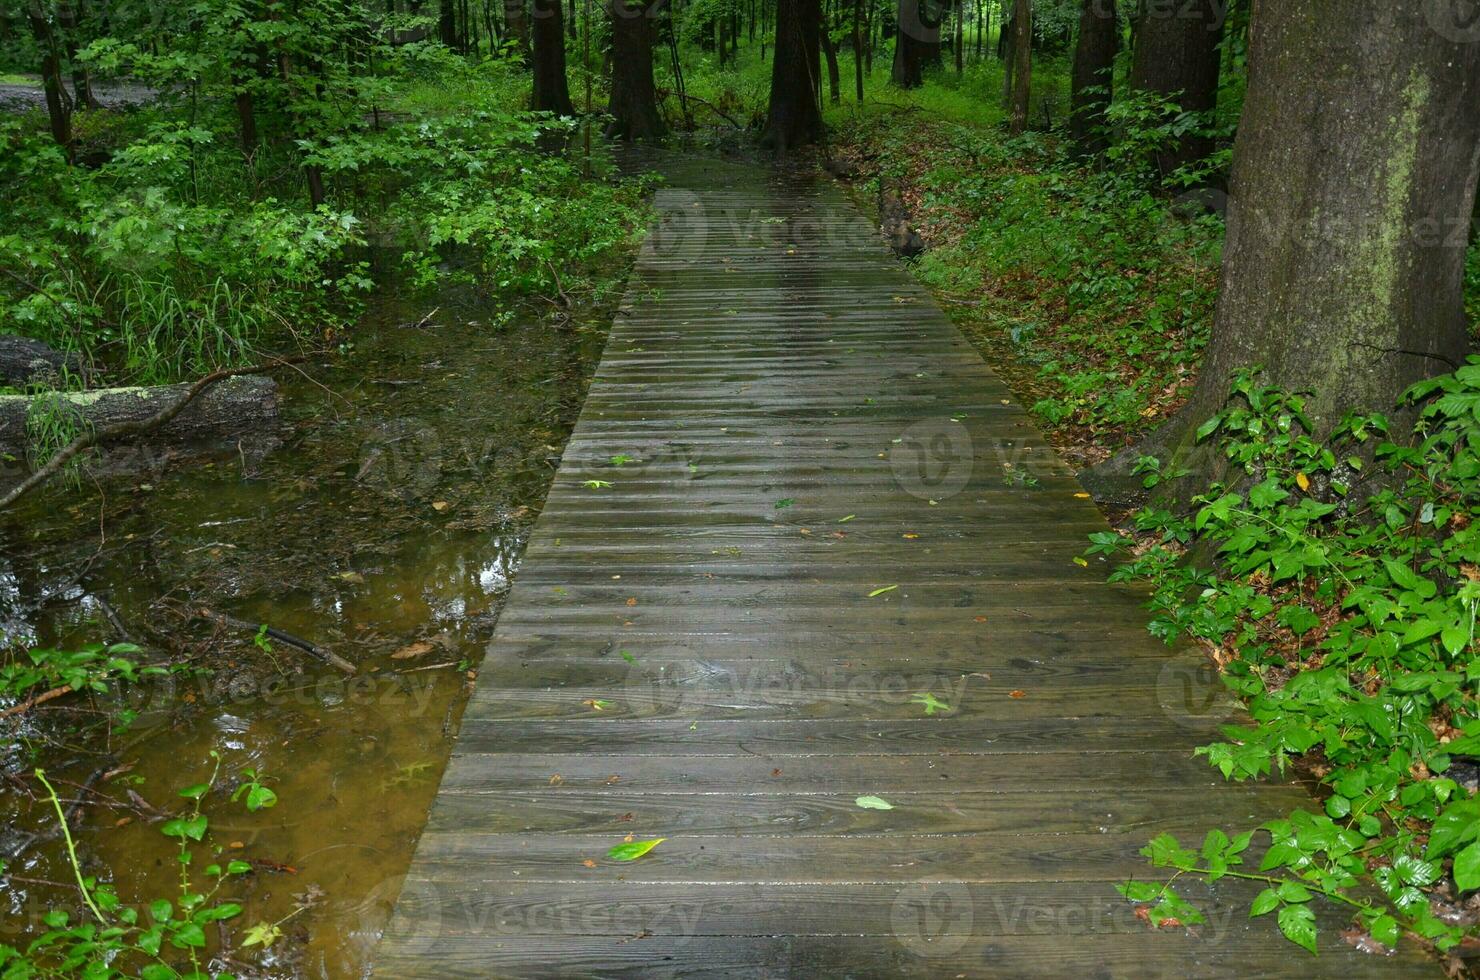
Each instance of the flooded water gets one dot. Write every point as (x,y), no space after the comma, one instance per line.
(382,525)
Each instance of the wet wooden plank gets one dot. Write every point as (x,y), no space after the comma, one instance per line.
(691,651)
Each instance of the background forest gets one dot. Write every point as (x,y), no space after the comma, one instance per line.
(1286,419)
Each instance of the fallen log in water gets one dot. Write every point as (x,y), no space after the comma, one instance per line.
(235,405)
(23,360)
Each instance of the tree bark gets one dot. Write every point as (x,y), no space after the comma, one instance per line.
(858,48)
(1094,75)
(447,23)
(1176,56)
(551,92)
(517,24)
(58,111)
(1022,63)
(634,99)
(1353,185)
(830,51)
(916,42)
(795,116)
(23,361)
(236,405)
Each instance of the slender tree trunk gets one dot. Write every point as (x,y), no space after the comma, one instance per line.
(830,51)
(1176,56)
(960,38)
(1353,183)
(1094,74)
(551,92)
(69,19)
(795,116)
(572,25)
(634,99)
(58,109)
(1022,63)
(858,48)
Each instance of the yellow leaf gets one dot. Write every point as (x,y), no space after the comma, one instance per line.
(1302,481)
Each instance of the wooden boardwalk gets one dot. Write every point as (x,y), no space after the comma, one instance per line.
(829,509)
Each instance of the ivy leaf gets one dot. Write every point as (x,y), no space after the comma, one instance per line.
(632,850)
(1298,923)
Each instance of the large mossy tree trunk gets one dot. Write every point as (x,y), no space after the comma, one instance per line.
(1176,56)
(1094,75)
(1354,182)
(795,116)
(551,92)
(634,99)
(916,42)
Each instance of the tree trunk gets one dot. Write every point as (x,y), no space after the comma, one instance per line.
(24,361)
(1353,184)
(916,42)
(447,24)
(69,18)
(551,93)
(231,407)
(58,111)
(834,76)
(634,100)
(516,25)
(1094,69)
(1022,63)
(960,36)
(795,116)
(858,48)
(1176,56)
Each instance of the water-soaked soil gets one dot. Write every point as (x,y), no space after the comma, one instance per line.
(382,523)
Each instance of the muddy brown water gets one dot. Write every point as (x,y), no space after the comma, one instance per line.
(384,523)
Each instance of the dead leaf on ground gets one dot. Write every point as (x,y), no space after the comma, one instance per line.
(411,650)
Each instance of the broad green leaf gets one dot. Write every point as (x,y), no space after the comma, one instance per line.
(1298,923)
(1264,903)
(1467,868)
(874,803)
(632,850)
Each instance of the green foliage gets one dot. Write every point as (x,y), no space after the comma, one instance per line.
(1347,590)
(147,941)
(95,668)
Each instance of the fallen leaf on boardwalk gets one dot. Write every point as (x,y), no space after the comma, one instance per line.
(556,779)
(887,588)
(911,537)
(1017,694)
(1080,562)
(874,803)
(979,619)
(775,772)
(631,850)
(417,649)
(628,657)
(625,818)
(784,503)
(589,863)
(840,534)
(597,704)
(929,702)
(440,505)
(845,520)
(613,779)
(1082,496)
(632,601)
